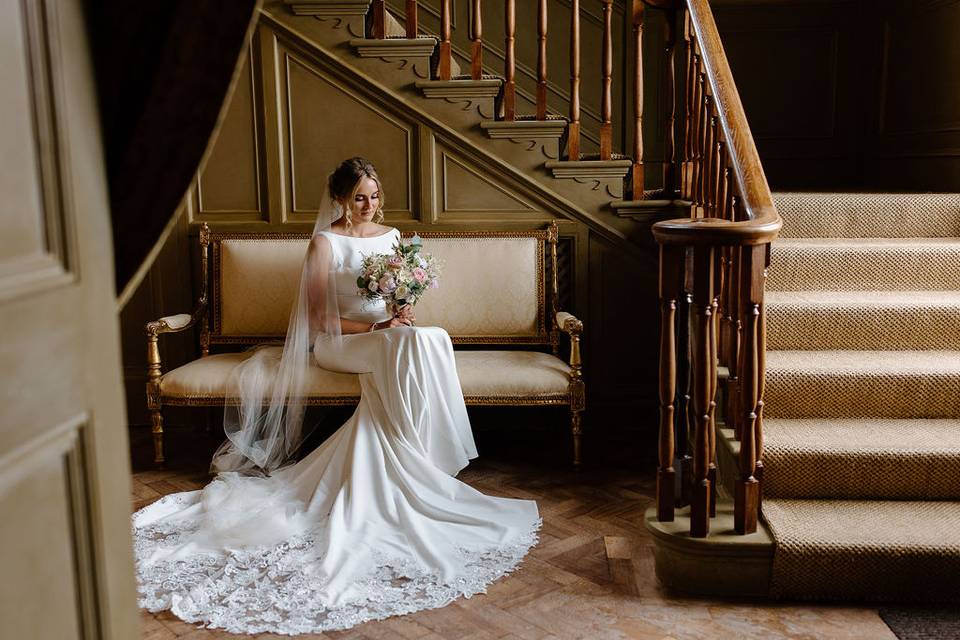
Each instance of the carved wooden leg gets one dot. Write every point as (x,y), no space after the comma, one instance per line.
(576,430)
(157,419)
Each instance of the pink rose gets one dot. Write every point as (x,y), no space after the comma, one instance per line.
(419,275)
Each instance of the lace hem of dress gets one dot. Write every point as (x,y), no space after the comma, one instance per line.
(269,589)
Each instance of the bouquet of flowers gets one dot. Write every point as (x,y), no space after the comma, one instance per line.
(399,278)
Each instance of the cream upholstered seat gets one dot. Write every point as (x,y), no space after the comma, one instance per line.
(254,277)
(486,377)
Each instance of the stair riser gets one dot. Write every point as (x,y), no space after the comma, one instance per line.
(793,394)
(883,475)
(792,327)
(889,269)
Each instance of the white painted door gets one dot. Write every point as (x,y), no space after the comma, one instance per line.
(65,549)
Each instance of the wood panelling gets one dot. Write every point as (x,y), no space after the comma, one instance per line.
(852,94)
(799,73)
(326,123)
(466,191)
(622,317)
(915,140)
(231,183)
(34,243)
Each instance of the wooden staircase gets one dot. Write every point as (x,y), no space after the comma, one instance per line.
(475,112)
(708,525)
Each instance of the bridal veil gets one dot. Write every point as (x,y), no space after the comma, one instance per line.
(265,402)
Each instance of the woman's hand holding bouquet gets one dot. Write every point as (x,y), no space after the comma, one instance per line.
(400,278)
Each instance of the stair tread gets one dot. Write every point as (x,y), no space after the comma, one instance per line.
(867,243)
(871,525)
(818,298)
(851,549)
(867,436)
(866,363)
(859,215)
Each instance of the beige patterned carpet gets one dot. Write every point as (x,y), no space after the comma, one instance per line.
(862,403)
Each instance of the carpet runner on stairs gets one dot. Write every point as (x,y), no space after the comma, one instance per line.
(862,399)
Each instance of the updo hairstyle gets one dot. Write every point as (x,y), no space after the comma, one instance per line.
(345,181)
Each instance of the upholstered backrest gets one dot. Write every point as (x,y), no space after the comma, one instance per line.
(492,287)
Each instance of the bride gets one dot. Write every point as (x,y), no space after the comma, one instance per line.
(373,522)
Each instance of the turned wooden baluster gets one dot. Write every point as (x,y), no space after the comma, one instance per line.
(636,171)
(684,421)
(688,82)
(714,359)
(761,379)
(606,95)
(723,183)
(443,68)
(671,265)
(509,62)
(476,46)
(542,60)
(695,142)
(573,126)
(703,146)
(712,164)
(747,492)
(670,107)
(702,311)
(730,338)
(378,24)
(411,18)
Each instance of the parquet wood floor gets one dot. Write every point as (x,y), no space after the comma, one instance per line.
(591,576)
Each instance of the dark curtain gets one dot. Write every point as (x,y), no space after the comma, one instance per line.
(163,70)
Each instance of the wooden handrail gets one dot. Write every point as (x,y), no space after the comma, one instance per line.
(763,222)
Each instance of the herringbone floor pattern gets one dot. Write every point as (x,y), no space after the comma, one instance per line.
(591,575)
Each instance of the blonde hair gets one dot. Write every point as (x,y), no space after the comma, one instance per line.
(345,181)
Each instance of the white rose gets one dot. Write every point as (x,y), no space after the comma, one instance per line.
(401,293)
(372,286)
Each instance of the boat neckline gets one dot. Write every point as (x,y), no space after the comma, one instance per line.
(343,235)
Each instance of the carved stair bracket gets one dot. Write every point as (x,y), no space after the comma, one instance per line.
(609,173)
(416,51)
(542,134)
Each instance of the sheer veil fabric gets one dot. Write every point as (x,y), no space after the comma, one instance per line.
(264,423)
(370,524)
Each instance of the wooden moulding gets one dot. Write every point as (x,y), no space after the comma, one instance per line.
(588,168)
(331,8)
(400,48)
(524,129)
(489,88)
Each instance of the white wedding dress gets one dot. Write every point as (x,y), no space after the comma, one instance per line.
(371,524)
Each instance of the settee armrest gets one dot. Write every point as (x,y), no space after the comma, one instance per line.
(172,324)
(568,323)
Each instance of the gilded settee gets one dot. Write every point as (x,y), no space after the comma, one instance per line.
(494,292)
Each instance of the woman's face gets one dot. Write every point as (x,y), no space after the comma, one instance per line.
(365,201)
